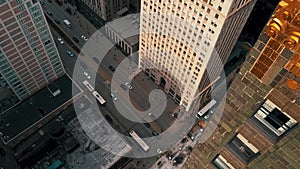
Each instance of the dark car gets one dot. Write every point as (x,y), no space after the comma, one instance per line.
(178,160)
(154,133)
(184,140)
(75,39)
(147,125)
(108,118)
(123,86)
(96,60)
(83,65)
(49,13)
(2,152)
(57,21)
(111,68)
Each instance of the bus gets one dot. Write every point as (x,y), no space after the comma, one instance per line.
(67,22)
(99,98)
(206,108)
(138,139)
(88,86)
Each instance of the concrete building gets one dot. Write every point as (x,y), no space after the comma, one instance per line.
(259,127)
(107,9)
(29,59)
(180,41)
(124,32)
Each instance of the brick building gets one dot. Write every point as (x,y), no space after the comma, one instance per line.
(259,125)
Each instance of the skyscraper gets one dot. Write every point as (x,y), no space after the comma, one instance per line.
(259,128)
(29,59)
(107,9)
(181,41)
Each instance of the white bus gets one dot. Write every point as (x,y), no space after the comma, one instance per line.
(99,98)
(67,22)
(206,108)
(137,138)
(88,86)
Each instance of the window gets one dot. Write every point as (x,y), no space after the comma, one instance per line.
(216,16)
(241,147)
(220,8)
(272,121)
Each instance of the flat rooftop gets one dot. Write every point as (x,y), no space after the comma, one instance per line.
(35,108)
(90,125)
(127,27)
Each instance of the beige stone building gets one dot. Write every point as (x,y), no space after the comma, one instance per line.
(180,41)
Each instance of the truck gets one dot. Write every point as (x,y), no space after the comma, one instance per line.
(197,130)
(67,23)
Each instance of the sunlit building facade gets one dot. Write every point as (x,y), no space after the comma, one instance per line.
(29,59)
(178,39)
(259,128)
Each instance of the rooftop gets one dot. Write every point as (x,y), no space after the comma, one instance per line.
(35,108)
(127,27)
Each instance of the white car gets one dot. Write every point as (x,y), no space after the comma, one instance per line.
(159,151)
(86,75)
(128,85)
(60,41)
(84,38)
(114,97)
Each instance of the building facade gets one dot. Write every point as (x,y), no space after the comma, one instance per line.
(180,41)
(29,59)
(259,127)
(124,32)
(107,9)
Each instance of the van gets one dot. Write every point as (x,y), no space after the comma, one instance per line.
(67,23)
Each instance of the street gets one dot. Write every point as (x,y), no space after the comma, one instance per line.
(102,77)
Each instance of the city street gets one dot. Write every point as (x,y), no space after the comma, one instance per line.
(112,57)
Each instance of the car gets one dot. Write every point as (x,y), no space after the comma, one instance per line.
(84,38)
(184,140)
(123,86)
(83,65)
(178,160)
(60,41)
(128,84)
(111,68)
(108,118)
(96,60)
(159,151)
(87,75)
(49,13)
(146,124)
(57,21)
(70,53)
(75,39)
(154,133)
(42,2)
(114,97)
(2,152)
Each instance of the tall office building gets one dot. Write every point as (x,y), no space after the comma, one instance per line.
(180,40)
(29,59)
(107,9)
(259,128)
